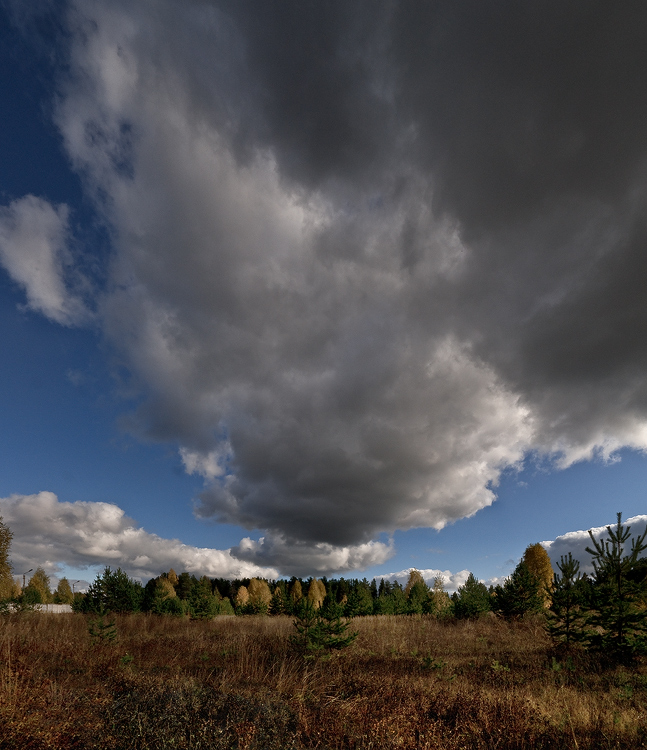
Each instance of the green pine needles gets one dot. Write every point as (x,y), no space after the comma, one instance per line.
(319,631)
(567,618)
(617,617)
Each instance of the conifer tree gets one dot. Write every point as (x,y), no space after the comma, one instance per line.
(242,597)
(113,591)
(360,601)
(296,592)
(320,630)
(316,593)
(471,600)
(6,581)
(538,563)
(519,595)
(566,618)
(415,576)
(278,605)
(259,594)
(419,599)
(618,613)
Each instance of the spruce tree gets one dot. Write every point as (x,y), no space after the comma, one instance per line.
(471,600)
(617,613)
(566,619)
(519,595)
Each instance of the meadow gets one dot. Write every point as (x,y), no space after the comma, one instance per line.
(235,682)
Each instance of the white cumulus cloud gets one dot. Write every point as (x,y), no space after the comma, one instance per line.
(51,533)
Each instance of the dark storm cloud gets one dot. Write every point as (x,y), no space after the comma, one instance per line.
(366,255)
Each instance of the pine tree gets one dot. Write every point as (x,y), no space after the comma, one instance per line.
(113,591)
(566,618)
(6,581)
(278,603)
(316,593)
(471,600)
(360,601)
(538,563)
(296,592)
(519,595)
(320,630)
(617,596)
(420,598)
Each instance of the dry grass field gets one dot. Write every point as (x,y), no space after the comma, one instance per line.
(406,682)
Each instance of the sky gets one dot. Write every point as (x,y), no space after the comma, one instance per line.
(308,288)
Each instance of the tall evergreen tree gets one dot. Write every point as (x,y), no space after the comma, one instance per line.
(113,591)
(519,595)
(618,612)
(471,600)
(566,619)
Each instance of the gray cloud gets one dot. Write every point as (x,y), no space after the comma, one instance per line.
(294,557)
(366,257)
(34,252)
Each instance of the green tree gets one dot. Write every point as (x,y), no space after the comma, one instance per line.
(318,631)
(420,599)
(113,591)
(360,601)
(618,613)
(6,581)
(278,605)
(566,619)
(183,587)
(519,595)
(203,604)
(471,600)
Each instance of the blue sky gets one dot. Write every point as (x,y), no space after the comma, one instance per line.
(270,304)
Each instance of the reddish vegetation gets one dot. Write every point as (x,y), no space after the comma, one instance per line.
(407,682)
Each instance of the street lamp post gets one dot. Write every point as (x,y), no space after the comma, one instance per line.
(73,583)
(23,576)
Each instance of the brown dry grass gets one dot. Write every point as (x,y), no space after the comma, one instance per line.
(406,683)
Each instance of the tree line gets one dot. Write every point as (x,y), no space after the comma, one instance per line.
(605,611)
